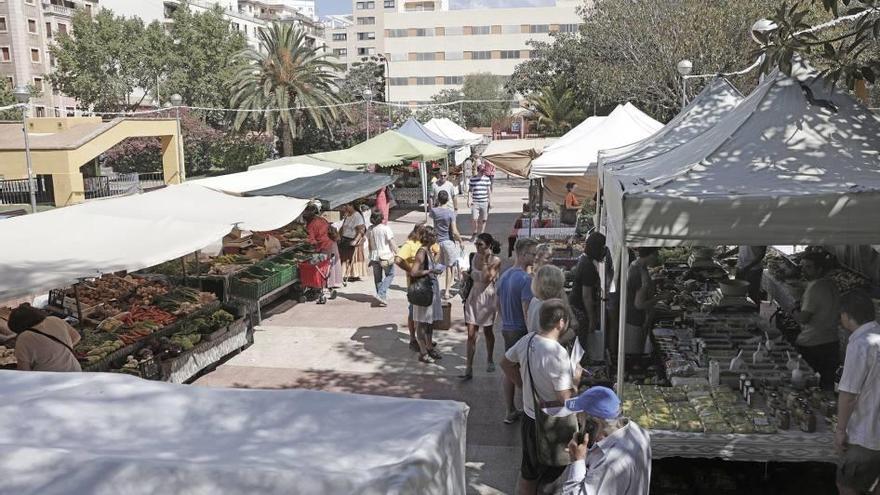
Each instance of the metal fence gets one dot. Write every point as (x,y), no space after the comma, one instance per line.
(16,191)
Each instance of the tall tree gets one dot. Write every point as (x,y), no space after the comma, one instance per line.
(368,74)
(286,77)
(555,109)
(485,87)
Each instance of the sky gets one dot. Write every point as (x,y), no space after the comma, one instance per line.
(330,7)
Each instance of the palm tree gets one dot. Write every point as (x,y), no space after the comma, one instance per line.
(286,72)
(555,108)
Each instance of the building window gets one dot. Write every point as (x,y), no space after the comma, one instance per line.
(11,81)
(41,111)
(365,5)
(29,2)
(399,57)
(481,29)
(425,81)
(486,55)
(568,28)
(366,36)
(340,52)
(453,79)
(398,33)
(425,32)
(35,55)
(511,29)
(454,31)
(509,53)
(424,56)
(454,55)
(5,54)
(49,30)
(38,84)
(389,4)
(340,36)
(539,28)
(32,26)
(3,27)
(366,21)
(399,81)
(366,51)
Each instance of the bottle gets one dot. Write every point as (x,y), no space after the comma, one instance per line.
(749,395)
(742,381)
(790,363)
(737,362)
(783,420)
(760,355)
(797,377)
(817,380)
(768,344)
(746,386)
(714,373)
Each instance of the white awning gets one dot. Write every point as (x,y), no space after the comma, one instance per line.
(450,130)
(261,178)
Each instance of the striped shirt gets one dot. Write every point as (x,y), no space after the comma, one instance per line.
(480,189)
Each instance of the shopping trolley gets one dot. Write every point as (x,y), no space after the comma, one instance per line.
(313,276)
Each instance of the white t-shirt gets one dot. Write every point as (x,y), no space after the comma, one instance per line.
(350,224)
(549,365)
(449,188)
(379,238)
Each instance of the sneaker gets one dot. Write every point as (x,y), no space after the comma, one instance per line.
(383,303)
(512,417)
(435,355)
(425,358)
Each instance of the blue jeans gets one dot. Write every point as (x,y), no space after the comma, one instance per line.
(383,276)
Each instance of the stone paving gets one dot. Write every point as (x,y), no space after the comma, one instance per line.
(352,345)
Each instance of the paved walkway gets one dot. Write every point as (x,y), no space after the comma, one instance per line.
(352,345)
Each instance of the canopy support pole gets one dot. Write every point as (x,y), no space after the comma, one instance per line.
(423,171)
(540,199)
(532,183)
(183,266)
(621,332)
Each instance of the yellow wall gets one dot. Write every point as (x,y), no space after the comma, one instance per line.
(64,165)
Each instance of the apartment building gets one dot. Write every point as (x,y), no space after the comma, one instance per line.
(431,47)
(27,30)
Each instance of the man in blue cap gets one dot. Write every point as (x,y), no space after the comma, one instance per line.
(614,457)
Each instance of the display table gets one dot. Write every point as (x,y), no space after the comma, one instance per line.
(789,446)
(206,354)
(96,433)
(542,233)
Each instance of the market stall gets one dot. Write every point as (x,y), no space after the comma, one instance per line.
(147,437)
(781,167)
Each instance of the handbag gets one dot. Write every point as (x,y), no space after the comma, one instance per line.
(421,290)
(467,282)
(568,216)
(552,433)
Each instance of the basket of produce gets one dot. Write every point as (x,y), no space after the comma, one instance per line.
(256,282)
(183,300)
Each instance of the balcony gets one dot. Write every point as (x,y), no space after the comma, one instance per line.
(58,10)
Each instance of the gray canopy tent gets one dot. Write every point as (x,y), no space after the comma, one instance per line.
(794,163)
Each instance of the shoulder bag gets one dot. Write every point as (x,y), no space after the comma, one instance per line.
(467,281)
(552,433)
(421,290)
(52,337)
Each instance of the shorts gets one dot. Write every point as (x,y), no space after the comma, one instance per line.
(511,337)
(480,211)
(449,253)
(858,468)
(531,468)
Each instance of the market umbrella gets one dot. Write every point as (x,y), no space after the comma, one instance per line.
(412,128)
(386,149)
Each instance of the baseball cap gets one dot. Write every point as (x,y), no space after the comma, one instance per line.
(599,402)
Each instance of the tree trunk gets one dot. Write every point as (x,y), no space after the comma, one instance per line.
(286,140)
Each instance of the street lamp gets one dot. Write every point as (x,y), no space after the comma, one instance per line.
(176,100)
(684,68)
(23,95)
(368,97)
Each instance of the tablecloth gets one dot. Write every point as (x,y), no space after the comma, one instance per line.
(103,433)
(788,446)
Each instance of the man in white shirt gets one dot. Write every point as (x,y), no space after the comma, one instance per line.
(442,184)
(857,437)
(614,457)
(554,382)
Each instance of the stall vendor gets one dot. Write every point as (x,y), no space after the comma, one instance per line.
(749,267)
(640,300)
(570,206)
(819,315)
(318,230)
(44,343)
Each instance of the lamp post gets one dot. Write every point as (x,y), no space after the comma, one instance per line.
(385,61)
(176,100)
(368,98)
(684,68)
(23,95)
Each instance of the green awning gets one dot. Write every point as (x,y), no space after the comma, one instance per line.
(388,148)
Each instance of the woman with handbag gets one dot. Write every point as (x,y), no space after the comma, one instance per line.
(350,245)
(382,252)
(424,294)
(479,305)
(570,206)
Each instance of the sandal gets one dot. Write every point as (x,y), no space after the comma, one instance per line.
(434,354)
(426,358)
(490,367)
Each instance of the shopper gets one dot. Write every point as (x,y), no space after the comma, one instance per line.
(405,258)
(539,356)
(448,238)
(440,185)
(543,254)
(819,316)
(570,207)
(480,200)
(382,252)
(479,308)
(383,202)
(44,343)
(640,300)
(424,316)
(547,283)
(514,296)
(750,267)
(857,437)
(352,238)
(320,236)
(614,457)
(586,295)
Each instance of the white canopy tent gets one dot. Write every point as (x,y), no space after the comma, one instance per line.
(573,156)
(450,130)
(56,248)
(104,433)
(259,178)
(794,163)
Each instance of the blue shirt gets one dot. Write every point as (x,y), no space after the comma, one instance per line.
(514,289)
(443,218)
(480,188)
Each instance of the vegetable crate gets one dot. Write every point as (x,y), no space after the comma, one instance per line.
(256,282)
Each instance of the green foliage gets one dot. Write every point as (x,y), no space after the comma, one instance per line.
(627,51)
(289,73)
(6,99)
(452,112)
(484,86)
(555,109)
(363,75)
